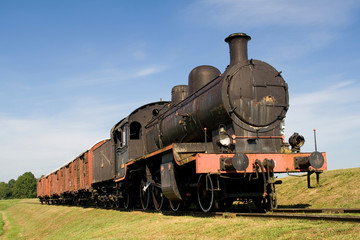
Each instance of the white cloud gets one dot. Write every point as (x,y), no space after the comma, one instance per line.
(149,71)
(41,144)
(38,145)
(334,112)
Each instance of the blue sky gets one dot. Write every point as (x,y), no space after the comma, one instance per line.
(69,70)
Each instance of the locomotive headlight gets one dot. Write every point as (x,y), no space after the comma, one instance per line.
(225,139)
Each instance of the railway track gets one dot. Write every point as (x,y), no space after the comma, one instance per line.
(318,210)
(324,214)
(306,214)
(342,218)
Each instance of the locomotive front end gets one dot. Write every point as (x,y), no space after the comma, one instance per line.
(256,98)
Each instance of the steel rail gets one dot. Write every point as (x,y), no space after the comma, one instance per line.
(318,210)
(341,218)
(298,216)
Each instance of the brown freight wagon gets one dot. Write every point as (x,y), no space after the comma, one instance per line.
(40,189)
(80,171)
(62,180)
(91,160)
(103,161)
(53,185)
(71,182)
(43,189)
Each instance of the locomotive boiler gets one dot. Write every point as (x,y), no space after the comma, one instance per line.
(220,139)
(247,102)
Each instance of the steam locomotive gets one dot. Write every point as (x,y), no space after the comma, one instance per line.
(220,139)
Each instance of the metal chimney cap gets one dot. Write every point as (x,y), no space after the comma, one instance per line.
(237,35)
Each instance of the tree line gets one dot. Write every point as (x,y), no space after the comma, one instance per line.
(23,187)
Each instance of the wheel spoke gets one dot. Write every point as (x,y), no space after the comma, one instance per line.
(158,197)
(144,195)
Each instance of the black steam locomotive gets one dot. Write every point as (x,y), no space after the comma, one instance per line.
(219,140)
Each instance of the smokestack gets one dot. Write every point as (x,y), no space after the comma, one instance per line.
(238,47)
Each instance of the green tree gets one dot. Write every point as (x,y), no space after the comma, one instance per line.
(10,185)
(3,190)
(6,189)
(25,186)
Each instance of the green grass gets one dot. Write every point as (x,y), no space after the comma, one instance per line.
(5,204)
(338,189)
(28,219)
(60,222)
(1,225)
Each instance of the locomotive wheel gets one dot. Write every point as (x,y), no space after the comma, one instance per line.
(105,203)
(117,200)
(174,205)
(117,204)
(205,193)
(111,203)
(144,195)
(127,202)
(158,197)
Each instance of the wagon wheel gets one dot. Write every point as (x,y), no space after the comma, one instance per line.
(144,194)
(158,197)
(97,203)
(78,202)
(174,205)
(205,193)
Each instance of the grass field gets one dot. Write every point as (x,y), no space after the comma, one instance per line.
(339,188)
(27,219)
